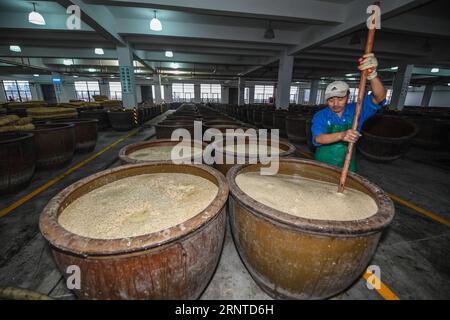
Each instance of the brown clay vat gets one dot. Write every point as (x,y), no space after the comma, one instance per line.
(288,150)
(175,263)
(54,144)
(86,132)
(17,161)
(296,128)
(386,138)
(164,129)
(124,153)
(296,258)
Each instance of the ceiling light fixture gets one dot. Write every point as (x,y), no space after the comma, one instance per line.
(435,70)
(155,24)
(35,17)
(394,68)
(68,62)
(75,76)
(14,48)
(269,33)
(99,51)
(174,65)
(35,75)
(91,70)
(169,54)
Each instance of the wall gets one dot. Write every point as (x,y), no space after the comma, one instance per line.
(439,98)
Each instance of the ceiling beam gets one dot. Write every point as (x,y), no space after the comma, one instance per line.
(427,26)
(308,11)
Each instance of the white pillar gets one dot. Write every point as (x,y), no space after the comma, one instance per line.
(104,88)
(427,95)
(301,95)
(63,90)
(251,94)
(157,82)
(313,92)
(224,94)
(126,70)
(197,93)
(400,86)
(2,95)
(36,93)
(285,68)
(241,91)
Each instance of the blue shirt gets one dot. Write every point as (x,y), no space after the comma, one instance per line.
(326,116)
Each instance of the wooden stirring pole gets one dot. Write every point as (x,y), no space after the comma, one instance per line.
(361,93)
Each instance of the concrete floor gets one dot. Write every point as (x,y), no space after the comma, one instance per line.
(413,253)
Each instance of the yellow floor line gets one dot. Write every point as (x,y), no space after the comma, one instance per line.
(420,210)
(48,184)
(383,291)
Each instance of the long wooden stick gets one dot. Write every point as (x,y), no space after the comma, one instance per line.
(361,93)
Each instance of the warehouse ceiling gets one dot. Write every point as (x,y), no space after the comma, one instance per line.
(216,39)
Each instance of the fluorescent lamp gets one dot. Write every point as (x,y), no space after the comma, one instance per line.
(435,70)
(349,74)
(91,70)
(394,68)
(35,17)
(14,48)
(35,75)
(68,62)
(75,76)
(155,24)
(169,54)
(98,51)
(174,65)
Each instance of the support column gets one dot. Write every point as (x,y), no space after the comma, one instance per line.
(400,86)
(251,94)
(126,70)
(158,97)
(241,91)
(301,95)
(168,93)
(62,91)
(285,68)
(104,88)
(313,92)
(427,95)
(36,93)
(197,94)
(225,97)
(3,97)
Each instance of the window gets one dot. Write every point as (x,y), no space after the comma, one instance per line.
(154,95)
(247,95)
(306,95)
(17,90)
(320,96)
(293,97)
(86,89)
(353,95)
(183,92)
(263,94)
(210,92)
(389,95)
(115,91)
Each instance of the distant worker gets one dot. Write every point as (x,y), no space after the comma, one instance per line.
(331,127)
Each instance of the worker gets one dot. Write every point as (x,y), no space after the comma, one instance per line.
(331,126)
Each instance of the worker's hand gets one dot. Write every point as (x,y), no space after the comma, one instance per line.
(370,63)
(350,136)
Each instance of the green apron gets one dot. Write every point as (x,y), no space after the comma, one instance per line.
(334,153)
